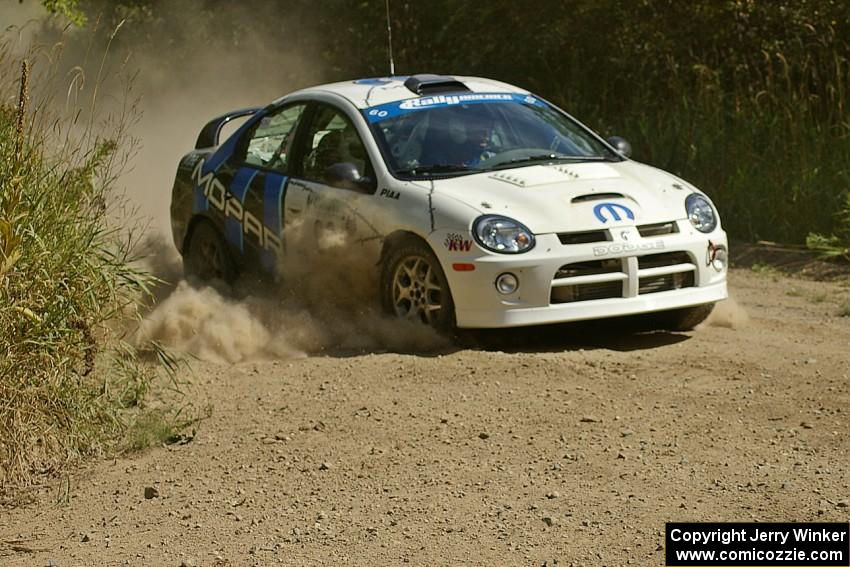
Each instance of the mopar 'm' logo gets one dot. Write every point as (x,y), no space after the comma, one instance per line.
(612,211)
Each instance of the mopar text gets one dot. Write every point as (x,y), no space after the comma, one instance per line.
(229,205)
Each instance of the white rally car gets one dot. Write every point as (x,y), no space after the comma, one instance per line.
(486,206)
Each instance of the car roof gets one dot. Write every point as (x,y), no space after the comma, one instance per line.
(365,93)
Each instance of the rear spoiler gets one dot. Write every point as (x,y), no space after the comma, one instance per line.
(208,137)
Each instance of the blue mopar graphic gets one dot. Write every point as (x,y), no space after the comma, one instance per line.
(273,194)
(233,227)
(611,211)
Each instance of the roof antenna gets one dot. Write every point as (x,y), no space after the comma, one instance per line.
(390,40)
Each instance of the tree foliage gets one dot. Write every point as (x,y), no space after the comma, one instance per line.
(746,98)
(66,8)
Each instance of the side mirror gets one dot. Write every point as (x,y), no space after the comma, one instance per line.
(621,145)
(345,175)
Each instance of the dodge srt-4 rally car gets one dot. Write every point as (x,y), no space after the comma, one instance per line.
(481,204)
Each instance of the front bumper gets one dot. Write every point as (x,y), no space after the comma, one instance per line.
(594,309)
(627,274)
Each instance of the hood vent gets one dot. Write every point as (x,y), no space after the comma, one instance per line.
(597,197)
(434,84)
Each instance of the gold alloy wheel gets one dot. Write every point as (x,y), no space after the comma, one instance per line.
(417,293)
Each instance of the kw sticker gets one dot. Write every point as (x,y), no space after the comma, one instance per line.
(457,243)
(217,196)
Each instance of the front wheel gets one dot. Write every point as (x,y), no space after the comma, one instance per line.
(684,319)
(414,286)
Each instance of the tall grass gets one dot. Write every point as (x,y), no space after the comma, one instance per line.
(768,140)
(65,280)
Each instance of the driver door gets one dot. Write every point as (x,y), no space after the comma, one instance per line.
(328,210)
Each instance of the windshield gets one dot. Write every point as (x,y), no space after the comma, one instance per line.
(456,134)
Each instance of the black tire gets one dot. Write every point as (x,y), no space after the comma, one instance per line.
(207,257)
(414,298)
(684,319)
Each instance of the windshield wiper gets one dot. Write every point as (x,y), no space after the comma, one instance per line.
(550,157)
(554,157)
(436,168)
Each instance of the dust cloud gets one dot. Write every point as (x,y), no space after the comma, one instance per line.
(326,303)
(728,314)
(162,76)
(205,323)
(19,21)
(177,102)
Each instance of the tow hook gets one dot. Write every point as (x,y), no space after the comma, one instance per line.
(717,256)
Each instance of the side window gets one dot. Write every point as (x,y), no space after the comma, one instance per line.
(332,139)
(270,144)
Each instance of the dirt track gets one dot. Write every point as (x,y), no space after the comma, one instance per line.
(576,453)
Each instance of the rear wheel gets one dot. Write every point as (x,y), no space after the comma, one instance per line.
(207,257)
(684,319)
(414,286)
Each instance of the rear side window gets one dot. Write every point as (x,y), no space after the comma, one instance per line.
(270,144)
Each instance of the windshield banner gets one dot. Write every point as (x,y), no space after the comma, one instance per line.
(398,108)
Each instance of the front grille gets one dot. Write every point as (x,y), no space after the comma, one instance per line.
(605,279)
(663,259)
(586,292)
(655,284)
(645,230)
(659,229)
(583,237)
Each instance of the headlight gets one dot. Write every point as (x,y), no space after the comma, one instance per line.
(503,235)
(700,213)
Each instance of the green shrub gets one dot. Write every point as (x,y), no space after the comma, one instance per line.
(836,245)
(65,280)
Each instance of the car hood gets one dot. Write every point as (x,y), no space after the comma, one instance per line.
(574,197)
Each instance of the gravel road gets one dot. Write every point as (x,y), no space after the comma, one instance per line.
(553,450)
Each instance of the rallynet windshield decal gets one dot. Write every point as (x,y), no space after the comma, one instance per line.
(398,108)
